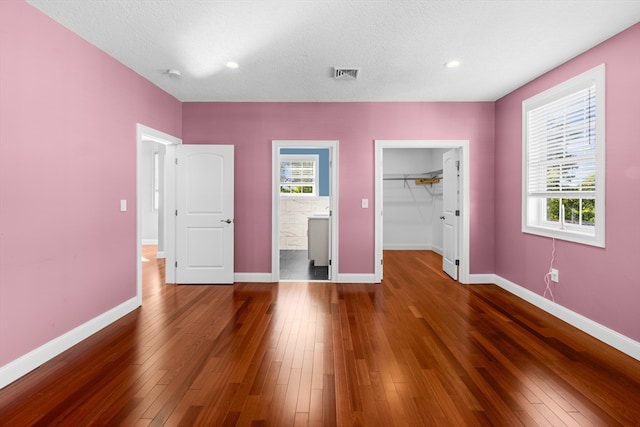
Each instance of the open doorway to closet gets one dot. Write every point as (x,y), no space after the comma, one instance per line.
(421,202)
(304,210)
(412,199)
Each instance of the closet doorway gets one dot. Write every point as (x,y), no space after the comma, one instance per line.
(415,208)
(304,240)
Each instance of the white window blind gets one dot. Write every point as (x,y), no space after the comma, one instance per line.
(563,160)
(562,146)
(298,175)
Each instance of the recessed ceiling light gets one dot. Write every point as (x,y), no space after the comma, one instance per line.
(453,64)
(232,65)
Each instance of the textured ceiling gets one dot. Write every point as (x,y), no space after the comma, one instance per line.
(286,49)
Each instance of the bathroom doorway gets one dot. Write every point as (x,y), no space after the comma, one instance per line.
(304,210)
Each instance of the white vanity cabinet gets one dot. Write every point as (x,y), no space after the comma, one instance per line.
(318,240)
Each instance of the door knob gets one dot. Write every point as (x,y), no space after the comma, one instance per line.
(228,221)
(442,217)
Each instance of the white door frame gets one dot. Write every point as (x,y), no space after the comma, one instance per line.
(463,242)
(275,203)
(145,133)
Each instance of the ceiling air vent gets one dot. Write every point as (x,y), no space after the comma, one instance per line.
(345,73)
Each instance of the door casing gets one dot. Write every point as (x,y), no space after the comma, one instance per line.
(463,236)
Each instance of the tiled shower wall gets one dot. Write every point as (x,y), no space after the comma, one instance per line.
(293,219)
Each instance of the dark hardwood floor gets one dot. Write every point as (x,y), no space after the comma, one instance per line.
(420,349)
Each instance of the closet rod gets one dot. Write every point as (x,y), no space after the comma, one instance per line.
(414,176)
(409,178)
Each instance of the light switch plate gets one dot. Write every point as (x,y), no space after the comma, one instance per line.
(123,205)
(365,203)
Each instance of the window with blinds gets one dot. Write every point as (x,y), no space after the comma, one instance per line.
(298,175)
(563,160)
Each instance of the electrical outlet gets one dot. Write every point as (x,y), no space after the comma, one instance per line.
(555,276)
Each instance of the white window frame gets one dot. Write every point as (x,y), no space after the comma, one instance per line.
(534,205)
(303,157)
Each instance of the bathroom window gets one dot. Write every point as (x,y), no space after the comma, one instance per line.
(298,175)
(563,163)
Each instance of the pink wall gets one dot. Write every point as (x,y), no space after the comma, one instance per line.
(601,284)
(67,156)
(251,127)
(68,115)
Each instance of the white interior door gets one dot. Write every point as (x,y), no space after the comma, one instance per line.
(451,215)
(204,217)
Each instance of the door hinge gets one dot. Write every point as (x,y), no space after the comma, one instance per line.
(176,160)
(176,212)
(329,262)
(176,264)
(458,164)
(457,262)
(457,213)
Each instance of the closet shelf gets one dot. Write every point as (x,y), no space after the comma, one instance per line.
(436,174)
(427,178)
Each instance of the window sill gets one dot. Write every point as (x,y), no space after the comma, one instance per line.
(564,234)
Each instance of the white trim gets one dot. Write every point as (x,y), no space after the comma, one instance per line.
(332,145)
(30,361)
(149,241)
(532,207)
(155,178)
(481,279)
(169,202)
(252,277)
(464,244)
(160,255)
(145,133)
(407,247)
(355,278)
(596,330)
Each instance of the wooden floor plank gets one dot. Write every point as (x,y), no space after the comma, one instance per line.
(417,350)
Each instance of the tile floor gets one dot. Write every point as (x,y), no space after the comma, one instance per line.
(294,265)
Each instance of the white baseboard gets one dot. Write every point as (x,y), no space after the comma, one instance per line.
(596,330)
(253,277)
(355,278)
(481,279)
(407,247)
(149,241)
(30,361)
(412,247)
